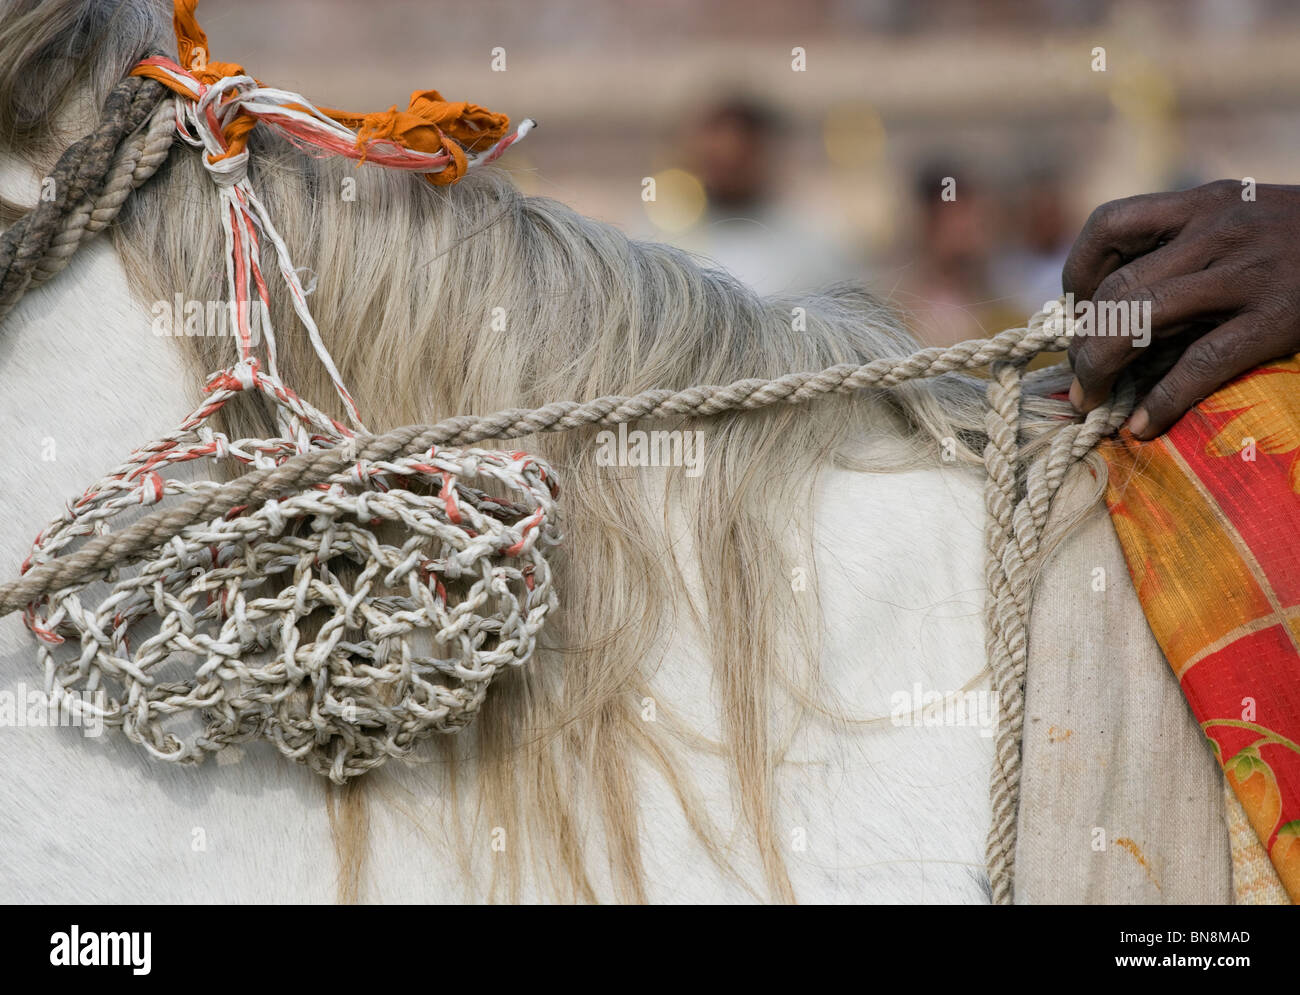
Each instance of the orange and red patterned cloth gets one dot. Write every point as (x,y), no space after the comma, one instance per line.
(1209,520)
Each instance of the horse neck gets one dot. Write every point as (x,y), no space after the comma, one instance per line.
(84,377)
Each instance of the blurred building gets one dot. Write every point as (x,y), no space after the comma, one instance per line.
(1040,109)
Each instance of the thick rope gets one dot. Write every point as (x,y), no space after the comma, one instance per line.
(103,553)
(1018,504)
(137,160)
(93,179)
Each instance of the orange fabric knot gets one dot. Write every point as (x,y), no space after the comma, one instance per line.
(236,130)
(192,54)
(215,72)
(430,124)
(192,46)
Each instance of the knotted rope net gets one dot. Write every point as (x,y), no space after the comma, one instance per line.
(344,621)
(353,593)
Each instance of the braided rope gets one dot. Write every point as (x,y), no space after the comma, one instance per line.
(202,561)
(102,553)
(1018,503)
(137,160)
(91,181)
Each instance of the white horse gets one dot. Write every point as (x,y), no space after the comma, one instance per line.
(711,719)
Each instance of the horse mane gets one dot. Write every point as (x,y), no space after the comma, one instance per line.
(475,298)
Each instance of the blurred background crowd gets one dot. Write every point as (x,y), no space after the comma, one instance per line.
(944,153)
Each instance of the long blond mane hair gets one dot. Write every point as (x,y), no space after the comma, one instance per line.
(469,299)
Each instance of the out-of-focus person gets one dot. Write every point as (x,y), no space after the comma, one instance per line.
(749,226)
(945,291)
(1027,274)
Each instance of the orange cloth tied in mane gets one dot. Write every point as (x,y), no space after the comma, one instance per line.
(192,46)
(429,124)
(1209,520)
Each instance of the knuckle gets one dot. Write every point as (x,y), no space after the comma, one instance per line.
(1118,285)
(1204,360)
(1112,218)
(1238,225)
(1225,242)
(1220,190)
(1147,295)
(1258,273)
(1102,220)
(1146,211)
(1275,306)
(1243,214)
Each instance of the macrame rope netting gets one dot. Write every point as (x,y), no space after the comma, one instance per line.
(471,572)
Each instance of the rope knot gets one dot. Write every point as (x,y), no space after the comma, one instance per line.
(241,376)
(245,374)
(152,488)
(440,138)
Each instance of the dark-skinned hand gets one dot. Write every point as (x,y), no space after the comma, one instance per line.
(1220,271)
